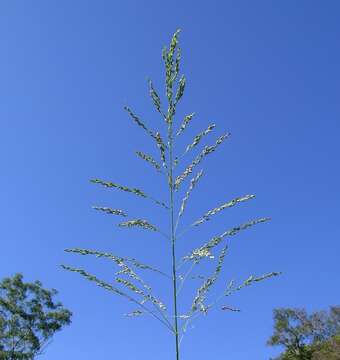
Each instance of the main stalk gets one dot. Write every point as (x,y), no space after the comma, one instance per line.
(172,237)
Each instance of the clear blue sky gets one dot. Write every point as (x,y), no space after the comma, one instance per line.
(267,71)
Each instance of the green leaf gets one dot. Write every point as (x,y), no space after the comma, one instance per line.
(226,205)
(29,317)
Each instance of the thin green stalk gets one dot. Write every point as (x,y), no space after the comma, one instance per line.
(173,239)
(154,315)
(166,320)
(185,277)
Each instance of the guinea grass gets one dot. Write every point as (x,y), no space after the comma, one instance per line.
(128,283)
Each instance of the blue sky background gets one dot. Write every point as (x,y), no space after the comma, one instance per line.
(267,71)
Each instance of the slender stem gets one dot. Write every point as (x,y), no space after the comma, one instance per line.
(150,312)
(185,277)
(177,222)
(157,317)
(194,316)
(184,231)
(185,327)
(163,234)
(173,239)
(164,317)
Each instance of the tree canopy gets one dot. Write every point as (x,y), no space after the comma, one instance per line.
(304,336)
(29,317)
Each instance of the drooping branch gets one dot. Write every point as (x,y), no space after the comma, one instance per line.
(136,191)
(117,259)
(116,291)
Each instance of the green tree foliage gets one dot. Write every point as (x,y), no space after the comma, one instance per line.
(29,317)
(328,350)
(306,336)
(175,165)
